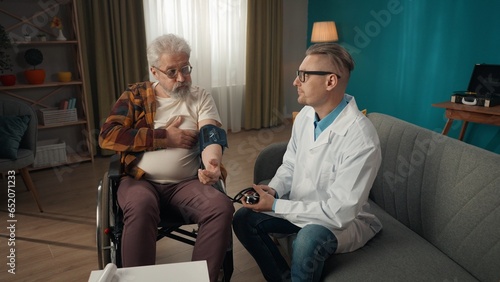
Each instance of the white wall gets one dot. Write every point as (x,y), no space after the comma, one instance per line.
(294,47)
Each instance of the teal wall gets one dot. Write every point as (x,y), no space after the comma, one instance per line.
(410,54)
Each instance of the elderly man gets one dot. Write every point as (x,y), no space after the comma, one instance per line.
(156,128)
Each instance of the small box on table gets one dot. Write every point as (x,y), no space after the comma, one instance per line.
(476,100)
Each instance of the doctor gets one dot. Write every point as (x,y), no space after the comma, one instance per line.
(320,192)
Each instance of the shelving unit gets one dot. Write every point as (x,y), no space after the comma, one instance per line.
(21,16)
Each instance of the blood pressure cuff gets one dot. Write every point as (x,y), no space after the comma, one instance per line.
(211,134)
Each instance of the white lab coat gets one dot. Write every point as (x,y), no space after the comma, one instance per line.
(328,181)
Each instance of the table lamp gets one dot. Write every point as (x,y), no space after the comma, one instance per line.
(324,32)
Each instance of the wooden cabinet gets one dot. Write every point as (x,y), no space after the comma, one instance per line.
(21,17)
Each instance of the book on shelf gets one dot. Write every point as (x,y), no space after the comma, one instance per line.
(63,105)
(67,104)
(72,103)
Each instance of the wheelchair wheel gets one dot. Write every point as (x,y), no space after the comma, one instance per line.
(106,249)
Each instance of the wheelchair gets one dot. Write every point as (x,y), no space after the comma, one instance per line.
(109,223)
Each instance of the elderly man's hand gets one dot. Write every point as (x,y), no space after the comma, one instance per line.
(211,174)
(179,138)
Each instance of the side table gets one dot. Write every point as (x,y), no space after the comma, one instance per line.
(468,114)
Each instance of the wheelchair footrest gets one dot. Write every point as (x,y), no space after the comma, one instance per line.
(188,237)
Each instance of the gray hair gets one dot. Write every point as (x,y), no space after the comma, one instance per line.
(169,44)
(339,57)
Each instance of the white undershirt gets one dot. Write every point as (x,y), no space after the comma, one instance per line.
(173,165)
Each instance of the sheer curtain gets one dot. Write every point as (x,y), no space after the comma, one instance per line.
(216,31)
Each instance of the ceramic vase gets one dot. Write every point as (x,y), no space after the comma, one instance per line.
(61,37)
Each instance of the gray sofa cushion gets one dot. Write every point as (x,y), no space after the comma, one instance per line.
(445,190)
(395,254)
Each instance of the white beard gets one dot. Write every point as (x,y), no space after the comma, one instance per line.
(179,92)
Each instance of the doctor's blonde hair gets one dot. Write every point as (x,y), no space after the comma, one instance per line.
(338,55)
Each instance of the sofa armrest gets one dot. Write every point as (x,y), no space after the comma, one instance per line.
(268,161)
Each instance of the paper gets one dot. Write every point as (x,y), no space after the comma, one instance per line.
(108,274)
(194,271)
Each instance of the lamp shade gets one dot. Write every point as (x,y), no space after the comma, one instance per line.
(324,32)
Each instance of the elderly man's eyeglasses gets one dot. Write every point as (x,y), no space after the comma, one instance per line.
(302,74)
(173,73)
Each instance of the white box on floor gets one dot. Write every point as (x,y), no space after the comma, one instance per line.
(194,271)
(50,152)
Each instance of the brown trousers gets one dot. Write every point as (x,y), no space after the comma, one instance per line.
(143,202)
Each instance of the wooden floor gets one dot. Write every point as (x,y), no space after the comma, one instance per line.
(60,243)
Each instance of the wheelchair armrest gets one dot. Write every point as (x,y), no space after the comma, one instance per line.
(268,161)
(115,168)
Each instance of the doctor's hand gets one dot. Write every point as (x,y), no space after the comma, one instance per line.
(211,174)
(179,138)
(266,199)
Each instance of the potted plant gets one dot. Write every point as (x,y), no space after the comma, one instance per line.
(42,37)
(6,66)
(34,57)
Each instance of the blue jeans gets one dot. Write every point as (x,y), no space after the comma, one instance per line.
(312,246)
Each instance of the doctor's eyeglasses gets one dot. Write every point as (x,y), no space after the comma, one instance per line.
(302,74)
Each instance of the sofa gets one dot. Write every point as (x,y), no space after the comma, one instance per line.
(439,203)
